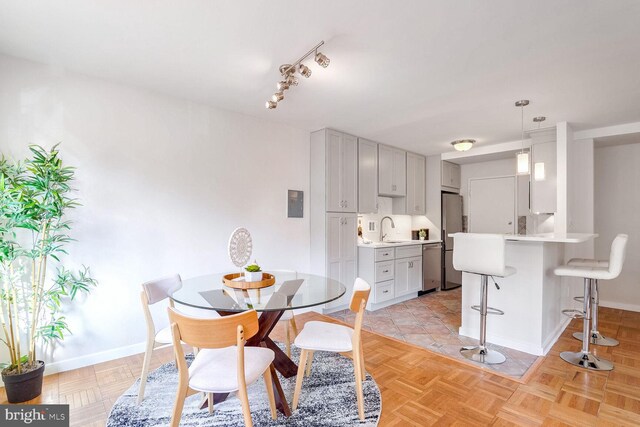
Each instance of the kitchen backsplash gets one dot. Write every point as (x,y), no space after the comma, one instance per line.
(403,223)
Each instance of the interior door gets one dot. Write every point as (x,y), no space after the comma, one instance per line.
(492,205)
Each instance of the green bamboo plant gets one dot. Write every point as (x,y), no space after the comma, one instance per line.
(35,195)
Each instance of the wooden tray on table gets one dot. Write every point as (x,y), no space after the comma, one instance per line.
(267,280)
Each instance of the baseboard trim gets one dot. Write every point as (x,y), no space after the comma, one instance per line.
(551,340)
(620,305)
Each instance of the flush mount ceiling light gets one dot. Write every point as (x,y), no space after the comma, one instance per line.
(522,157)
(463,144)
(288,72)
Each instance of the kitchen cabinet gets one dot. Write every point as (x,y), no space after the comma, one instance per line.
(341,164)
(408,275)
(341,252)
(392,171)
(333,200)
(367,176)
(450,179)
(415,201)
(395,273)
(543,194)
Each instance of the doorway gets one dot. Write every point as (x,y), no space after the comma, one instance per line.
(492,205)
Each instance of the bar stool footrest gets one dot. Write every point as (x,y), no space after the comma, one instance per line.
(490,310)
(574,314)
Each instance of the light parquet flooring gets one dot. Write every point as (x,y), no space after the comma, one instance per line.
(421,388)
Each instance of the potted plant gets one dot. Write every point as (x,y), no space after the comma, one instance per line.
(34,197)
(252,273)
(422,234)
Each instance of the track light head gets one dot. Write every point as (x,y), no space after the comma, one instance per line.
(322,60)
(282,86)
(270,105)
(304,70)
(277,97)
(292,80)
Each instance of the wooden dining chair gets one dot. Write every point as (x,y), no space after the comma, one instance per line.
(324,336)
(154,292)
(223,364)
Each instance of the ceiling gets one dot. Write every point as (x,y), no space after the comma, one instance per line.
(417,75)
(609,141)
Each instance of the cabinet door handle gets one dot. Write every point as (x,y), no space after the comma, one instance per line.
(385,271)
(411,264)
(346,204)
(385,291)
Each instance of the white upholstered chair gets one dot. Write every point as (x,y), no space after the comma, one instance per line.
(485,255)
(324,336)
(154,292)
(223,364)
(591,272)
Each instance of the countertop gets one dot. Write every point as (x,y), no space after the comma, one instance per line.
(550,237)
(396,243)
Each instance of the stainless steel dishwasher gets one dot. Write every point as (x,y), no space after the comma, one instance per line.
(431,267)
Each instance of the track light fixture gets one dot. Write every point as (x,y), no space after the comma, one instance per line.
(289,78)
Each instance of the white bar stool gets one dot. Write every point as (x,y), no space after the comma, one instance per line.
(482,254)
(595,336)
(591,273)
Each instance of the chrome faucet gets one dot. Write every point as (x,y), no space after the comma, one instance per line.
(382,236)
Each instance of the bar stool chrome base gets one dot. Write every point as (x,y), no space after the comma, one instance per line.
(598,339)
(483,355)
(586,360)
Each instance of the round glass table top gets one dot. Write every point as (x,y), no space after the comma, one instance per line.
(292,290)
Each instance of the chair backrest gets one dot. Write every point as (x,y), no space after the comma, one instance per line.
(617,254)
(214,333)
(158,290)
(361,291)
(479,253)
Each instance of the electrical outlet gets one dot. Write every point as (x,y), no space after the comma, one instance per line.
(372,226)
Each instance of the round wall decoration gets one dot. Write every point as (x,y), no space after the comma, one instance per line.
(240,247)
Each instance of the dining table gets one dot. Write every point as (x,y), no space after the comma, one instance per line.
(291,291)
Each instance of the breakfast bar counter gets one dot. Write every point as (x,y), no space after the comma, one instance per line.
(532,298)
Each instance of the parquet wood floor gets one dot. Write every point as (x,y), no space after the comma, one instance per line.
(421,388)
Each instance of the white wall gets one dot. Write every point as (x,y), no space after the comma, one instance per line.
(163,182)
(617,203)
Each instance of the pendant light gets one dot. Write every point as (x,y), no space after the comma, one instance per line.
(538,168)
(522,157)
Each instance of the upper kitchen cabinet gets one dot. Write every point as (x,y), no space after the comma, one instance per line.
(415,201)
(543,171)
(367,176)
(340,153)
(450,176)
(392,171)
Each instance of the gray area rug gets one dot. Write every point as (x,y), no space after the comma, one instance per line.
(327,399)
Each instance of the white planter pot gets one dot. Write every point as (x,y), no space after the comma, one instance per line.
(252,276)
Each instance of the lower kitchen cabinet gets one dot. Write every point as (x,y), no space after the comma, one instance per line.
(395,273)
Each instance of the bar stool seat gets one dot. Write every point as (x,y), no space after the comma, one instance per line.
(482,254)
(592,271)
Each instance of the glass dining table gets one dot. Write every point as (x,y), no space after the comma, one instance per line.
(291,291)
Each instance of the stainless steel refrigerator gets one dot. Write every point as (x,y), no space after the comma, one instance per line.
(451,223)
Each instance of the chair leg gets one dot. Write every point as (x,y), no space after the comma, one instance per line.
(287,341)
(309,361)
(210,402)
(357,369)
(246,410)
(299,378)
(183,388)
(364,374)
(292,321)
(268,382)
(145,369)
